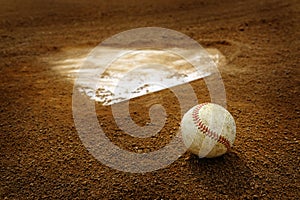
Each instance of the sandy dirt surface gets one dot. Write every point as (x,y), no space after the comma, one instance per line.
(42,155)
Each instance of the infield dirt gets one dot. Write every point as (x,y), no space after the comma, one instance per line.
(42,155)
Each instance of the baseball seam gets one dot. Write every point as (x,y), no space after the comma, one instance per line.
(206,131)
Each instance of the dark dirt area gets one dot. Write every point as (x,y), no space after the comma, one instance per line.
(42,155)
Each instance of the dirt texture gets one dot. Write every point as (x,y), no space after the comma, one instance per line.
(42,155)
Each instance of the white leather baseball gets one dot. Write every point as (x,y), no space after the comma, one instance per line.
(208,130)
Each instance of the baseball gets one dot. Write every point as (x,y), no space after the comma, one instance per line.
(208,130)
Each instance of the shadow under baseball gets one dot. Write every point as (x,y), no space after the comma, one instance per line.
(225,175)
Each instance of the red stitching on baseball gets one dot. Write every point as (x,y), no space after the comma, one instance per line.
(202,127)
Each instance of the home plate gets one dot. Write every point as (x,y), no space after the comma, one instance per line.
(136,73)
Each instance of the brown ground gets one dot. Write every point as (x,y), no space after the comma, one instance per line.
(42,155)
